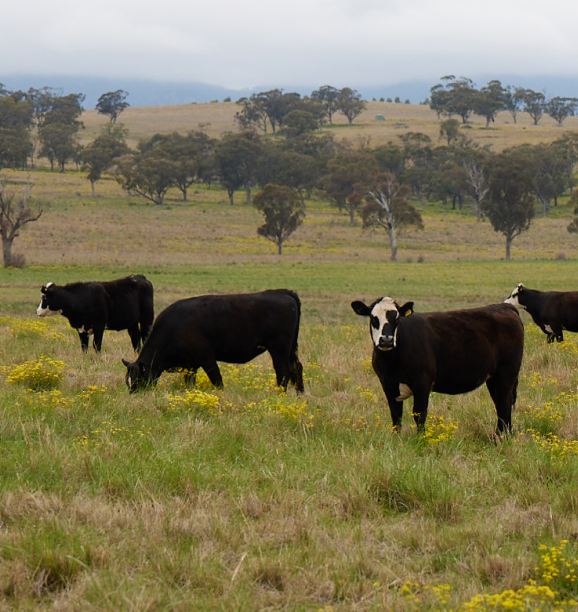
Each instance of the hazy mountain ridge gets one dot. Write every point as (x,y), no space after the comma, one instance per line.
(156,93)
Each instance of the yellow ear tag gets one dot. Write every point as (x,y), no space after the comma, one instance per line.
(408,313)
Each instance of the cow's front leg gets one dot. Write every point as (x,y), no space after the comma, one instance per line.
(420,404)
(97,339)
(396,410)
(83,340)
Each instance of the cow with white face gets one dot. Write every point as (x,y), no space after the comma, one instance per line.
(449,352)
(552,311)
(124,303)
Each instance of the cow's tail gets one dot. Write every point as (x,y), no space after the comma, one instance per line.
(295,367)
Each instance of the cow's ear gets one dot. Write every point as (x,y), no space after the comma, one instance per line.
(520,287)
(43,289)
(360,308)
(126,363)
(406,309)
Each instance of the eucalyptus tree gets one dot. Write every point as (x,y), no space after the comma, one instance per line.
(344,172)
(283,212)
(561,108)
(15,213)
(238,157)
(489,101)
(100,154)
(534,104)
(112,103)
(386,205)
(328,96)
(350,103)
(510,202)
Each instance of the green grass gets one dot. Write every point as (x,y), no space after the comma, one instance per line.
(245,499)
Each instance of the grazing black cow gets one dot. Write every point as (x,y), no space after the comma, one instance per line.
(198,332)
(126,303)
(552,311)
(448,352)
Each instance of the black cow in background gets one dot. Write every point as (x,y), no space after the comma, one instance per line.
(198,332)
(125,303)
(448,352)
(552,311)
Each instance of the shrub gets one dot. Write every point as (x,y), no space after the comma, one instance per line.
(40,375)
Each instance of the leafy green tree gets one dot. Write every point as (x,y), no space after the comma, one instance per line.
(450,130)
(561,108)
(534,104)
(299,122)
(14,215)
(350,104)
(489,101)
(514,101)
(112,104)
(15,125)
(573,225)
(328,96)
(283,213)
(387,205)
(453,97)
(192,155)
(344,173)
(99,155)
(510,204)
(59,128)
(547,170)
(59,144)
(149,176)
(238,158)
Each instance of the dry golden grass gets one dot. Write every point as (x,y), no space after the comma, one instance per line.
(216,118)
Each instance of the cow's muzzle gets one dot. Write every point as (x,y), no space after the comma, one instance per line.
(385,343)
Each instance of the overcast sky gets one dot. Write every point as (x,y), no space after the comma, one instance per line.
(248,43)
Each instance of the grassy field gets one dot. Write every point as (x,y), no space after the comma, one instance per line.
(250,499)
(219,117)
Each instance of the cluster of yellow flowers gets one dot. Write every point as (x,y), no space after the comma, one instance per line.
(31,328)
(558,573)
(109,431)
(559,569)
(437,430)
(39,375)
(551,444)
(195,399)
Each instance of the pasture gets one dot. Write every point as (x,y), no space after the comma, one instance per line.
(250,499)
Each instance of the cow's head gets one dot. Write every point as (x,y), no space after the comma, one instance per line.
(48,306)
(384,315)
(138,376)
(517,297)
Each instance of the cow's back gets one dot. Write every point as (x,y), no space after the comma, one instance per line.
(232,326)
(462,348)
(126,299)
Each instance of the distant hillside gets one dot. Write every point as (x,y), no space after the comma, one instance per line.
(155,93)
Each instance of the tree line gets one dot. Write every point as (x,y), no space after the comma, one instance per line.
(383,186)
(459,96)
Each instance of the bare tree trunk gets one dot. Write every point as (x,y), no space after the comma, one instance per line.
(7,252)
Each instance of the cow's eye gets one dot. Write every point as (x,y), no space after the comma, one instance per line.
(375,322)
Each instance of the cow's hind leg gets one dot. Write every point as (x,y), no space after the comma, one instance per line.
(83,341)
(212,370)
(503,394)
(135,336)
(282,367)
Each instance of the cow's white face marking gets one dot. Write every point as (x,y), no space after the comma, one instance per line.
(514,300)
(46,312)
(379,311)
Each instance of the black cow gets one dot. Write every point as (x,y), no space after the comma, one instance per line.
(552,311)
(125,303)
(198,332)
(448,352)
